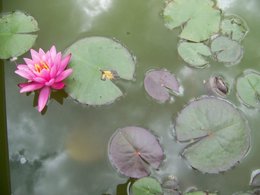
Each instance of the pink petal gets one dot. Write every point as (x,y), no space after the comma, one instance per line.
(45,74)
(28,61)
(35,56)
(22,67)
(53,52)
(50,82)
(57,60)
(43,98)
(32,86)
(63,75)
(25,74)
(64,63)
(53,71)
(58,86)
(39,80)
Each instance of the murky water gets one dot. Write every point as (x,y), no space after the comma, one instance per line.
(64,151)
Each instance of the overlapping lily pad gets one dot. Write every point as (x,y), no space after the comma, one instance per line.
(194,53)
(248,89)
(160,84)
(133,151)
(146,186)
(219,135)
(17,34)
(91,57)
(226,50)
(200,18)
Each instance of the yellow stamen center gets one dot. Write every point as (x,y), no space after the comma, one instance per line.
(42,65)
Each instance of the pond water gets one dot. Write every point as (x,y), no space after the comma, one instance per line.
(64,150)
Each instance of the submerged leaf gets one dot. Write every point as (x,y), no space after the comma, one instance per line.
(132,150)
(146,186)
(199,17)
(95,62)
(194,53)
(16,34)
(219,135)
(255,178)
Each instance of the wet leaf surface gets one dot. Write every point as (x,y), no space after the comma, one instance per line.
(147,186)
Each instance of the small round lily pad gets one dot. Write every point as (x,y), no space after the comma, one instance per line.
(133,150)
(227,50)
(17,34)
(160,84)
(194,53)
(147,186)
(218,133)
(248,89)
(96,63)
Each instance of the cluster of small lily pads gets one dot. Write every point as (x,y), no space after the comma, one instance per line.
(217,133)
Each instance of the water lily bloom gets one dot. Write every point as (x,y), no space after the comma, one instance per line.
(45,71)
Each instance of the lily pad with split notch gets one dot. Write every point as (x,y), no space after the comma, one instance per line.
(226,50)
(217,133)
(200,18)
(194,53)
(17,34)
(161,84)
(91,57)
(147,186)
(248,89)
(134,150)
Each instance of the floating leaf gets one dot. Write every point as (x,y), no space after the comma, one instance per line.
(227,50)
(132,150)
(255,178)
(147,186)
(194,53)
(199,17)
(16,34)
(234,27)
(90,58)
(219,135)
(248,89)
(159,84)
(199,193)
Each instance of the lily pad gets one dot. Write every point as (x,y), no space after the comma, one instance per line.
(147,186)
(132,150)
(234,27)
(199,193)
(91,58)
(160,84)
(200,18)
(17,34)
(248,89)
(219,136)
(227,50)
(194,53)
(255,178)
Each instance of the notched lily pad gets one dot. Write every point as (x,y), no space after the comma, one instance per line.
(17,34)
(200,18)
(147,186)
(96,62)
(161,84)
(219,136)
(248,89)
(234,27)
(227,50)
(133,150)
(255,178)
(194,53)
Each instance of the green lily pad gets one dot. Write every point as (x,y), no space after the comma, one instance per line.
(219,136)
(194,53)
(17,34)
(146,186)
(248,89)
(91,58)
(234,27)
(227,50)
(199,193)
(200,18)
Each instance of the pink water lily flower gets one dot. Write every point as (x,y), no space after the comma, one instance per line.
(45,71)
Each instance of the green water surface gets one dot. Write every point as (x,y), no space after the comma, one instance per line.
(64,151)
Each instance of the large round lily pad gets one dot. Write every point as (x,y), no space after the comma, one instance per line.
(194,53)
(219,135)
(160,84)
(17,34)
(146,186)
(133,150)
(227,50)
(94,62)
(248,89)
(200,18)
